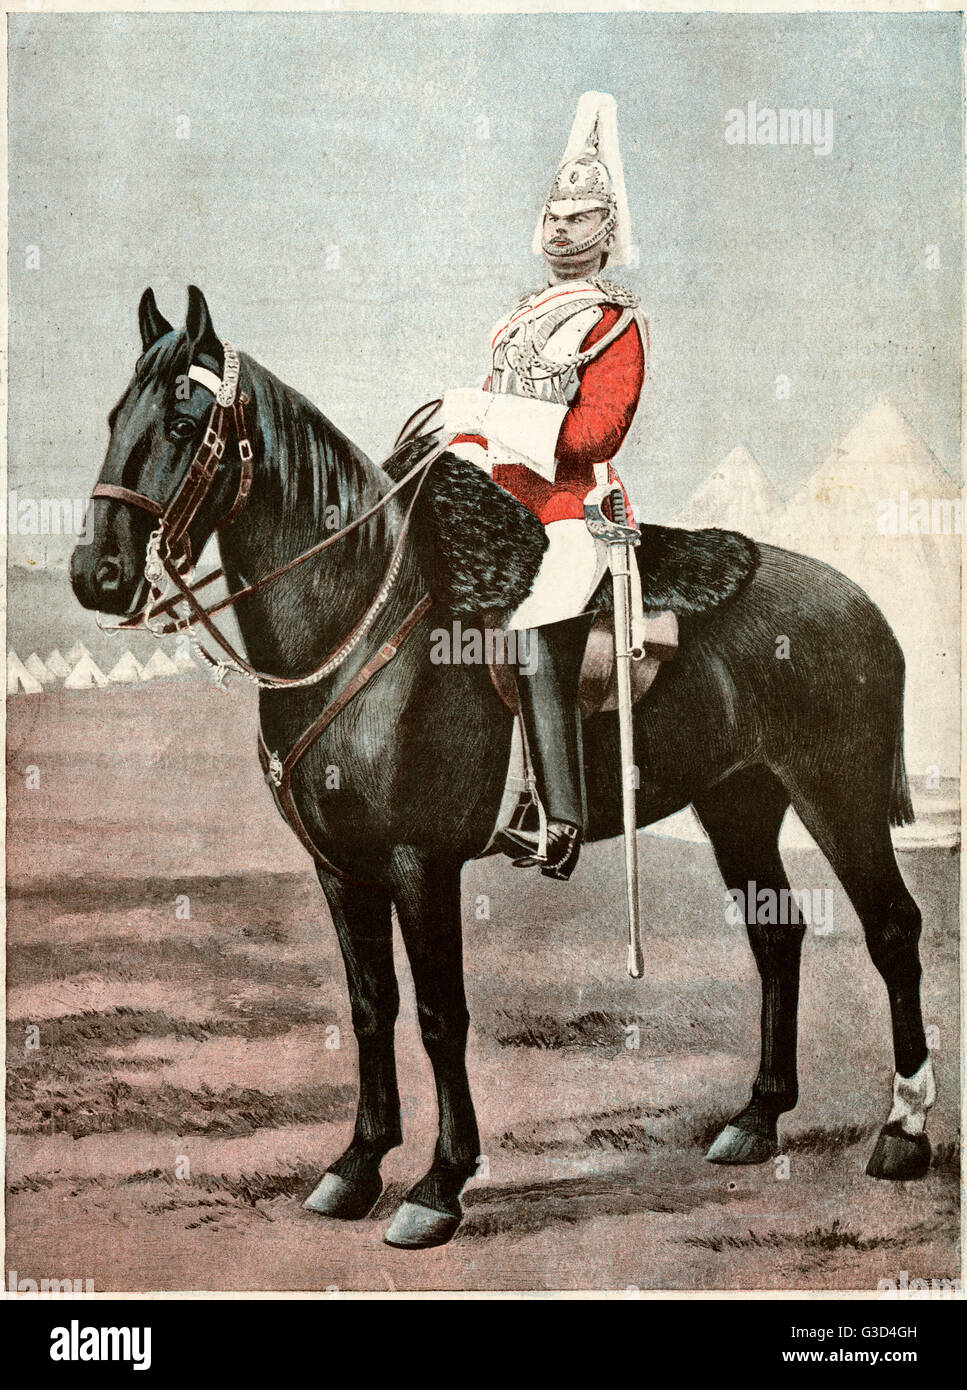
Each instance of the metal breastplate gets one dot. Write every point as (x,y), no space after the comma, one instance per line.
(538,352)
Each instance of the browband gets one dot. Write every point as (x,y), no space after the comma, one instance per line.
(206,378)
(223,389)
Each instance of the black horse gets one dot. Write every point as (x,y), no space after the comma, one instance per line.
(422,750)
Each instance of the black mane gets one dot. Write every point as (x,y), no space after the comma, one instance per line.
(312,461)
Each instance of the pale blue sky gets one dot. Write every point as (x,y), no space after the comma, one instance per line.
(363,131)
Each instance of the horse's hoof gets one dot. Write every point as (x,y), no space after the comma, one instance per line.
(899,1156)
(735,1145)
(343,1200)
(415,1227)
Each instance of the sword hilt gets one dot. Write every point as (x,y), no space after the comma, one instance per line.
(614,529)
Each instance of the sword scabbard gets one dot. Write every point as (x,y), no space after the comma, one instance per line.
(620,561)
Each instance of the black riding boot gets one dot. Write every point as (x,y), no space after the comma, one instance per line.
(548,696)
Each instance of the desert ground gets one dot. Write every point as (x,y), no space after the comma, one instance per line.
(182,1067)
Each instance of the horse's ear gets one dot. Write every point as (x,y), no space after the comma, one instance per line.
(152,323)
(202,337)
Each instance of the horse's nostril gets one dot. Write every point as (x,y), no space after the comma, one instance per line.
(108,574)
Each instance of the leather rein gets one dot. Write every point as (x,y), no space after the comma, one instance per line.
(168,560)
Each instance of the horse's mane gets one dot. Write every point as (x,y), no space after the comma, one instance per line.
(313,462)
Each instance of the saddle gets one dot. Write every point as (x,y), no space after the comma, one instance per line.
(599,685)
(480,549)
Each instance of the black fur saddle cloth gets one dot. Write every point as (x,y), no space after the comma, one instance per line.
(480,548)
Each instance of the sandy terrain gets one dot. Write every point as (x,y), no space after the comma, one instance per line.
(189,1088)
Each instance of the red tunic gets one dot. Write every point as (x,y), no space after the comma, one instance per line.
(593,431)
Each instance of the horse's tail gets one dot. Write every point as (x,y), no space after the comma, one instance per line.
(901,803)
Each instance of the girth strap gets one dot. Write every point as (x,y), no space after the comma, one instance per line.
(278,773)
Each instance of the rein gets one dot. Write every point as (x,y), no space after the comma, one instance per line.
(169,554)
(169,557)
(165,607)
(341,653)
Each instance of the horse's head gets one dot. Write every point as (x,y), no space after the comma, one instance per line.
(159,433)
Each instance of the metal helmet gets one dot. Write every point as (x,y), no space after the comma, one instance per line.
(591,176)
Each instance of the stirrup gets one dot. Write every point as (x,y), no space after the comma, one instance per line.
(561,856)
(522,846)
(516,839)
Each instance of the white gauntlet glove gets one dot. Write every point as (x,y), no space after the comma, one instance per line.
(524,430)
(463,410)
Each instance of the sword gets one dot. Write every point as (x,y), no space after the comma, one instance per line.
(620,537)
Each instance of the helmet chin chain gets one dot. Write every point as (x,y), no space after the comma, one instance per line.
(605,230)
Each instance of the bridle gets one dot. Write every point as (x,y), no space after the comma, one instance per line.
(168,564)
(168,559)
(175,518)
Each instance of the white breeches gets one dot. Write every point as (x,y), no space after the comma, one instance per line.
(573,566)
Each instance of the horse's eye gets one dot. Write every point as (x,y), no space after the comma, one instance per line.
(181,429)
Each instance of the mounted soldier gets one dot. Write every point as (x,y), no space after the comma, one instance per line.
(567,371)
(348,681)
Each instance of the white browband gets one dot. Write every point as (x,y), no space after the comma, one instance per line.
(206,378)
(224,388)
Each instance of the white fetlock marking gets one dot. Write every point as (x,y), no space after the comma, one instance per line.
(912,1098)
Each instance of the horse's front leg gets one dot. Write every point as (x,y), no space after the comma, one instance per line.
(362,917)
(427,896)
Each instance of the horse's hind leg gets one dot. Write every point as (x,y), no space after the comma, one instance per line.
(743,816)
(850,823)
(427,896)
(362,917)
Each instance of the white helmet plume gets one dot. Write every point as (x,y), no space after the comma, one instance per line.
(591,174)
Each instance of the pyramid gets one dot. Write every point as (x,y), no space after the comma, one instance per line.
(19,679)
(76,652)
(57,666)
(853,513)
(125,671)
(881,459)
(737,497)
(38,670)
(160,665)
(86,675)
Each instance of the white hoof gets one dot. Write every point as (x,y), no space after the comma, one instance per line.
(333,1196)
(330,1192)
(418,1228)
(735,1145)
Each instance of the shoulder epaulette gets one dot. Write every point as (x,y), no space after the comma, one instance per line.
(616,294)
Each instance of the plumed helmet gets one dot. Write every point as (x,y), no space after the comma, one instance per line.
(581,184)
(591,175)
